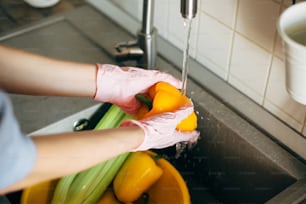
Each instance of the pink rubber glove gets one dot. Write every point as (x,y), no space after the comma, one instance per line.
(120,85)
(160,130)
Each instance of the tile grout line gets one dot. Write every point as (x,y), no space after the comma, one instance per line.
(231,48)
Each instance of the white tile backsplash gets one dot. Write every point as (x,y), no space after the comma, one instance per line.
(177,32)
(161,20)
(249,68)
(257,21)
(214,45)
(223,11)
(277,99)
(133,7)
(237,40)
(175,27)
(278,48)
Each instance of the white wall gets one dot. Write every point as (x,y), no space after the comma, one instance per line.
(237,40)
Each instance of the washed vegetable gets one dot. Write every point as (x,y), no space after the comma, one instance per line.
(87,186)
(105,178)
(108,198)
(62,188)
(163,97)
(138,173)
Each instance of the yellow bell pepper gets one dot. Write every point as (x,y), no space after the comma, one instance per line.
(136,175)
(166,98)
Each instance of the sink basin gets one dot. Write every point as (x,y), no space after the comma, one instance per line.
(233,162)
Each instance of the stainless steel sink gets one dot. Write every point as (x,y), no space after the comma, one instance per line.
(233,162)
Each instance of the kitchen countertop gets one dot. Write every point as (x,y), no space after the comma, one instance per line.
(16,13)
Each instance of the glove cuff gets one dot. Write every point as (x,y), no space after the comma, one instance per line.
(105,82)
(142,146)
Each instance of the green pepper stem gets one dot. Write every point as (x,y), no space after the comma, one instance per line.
(145,100)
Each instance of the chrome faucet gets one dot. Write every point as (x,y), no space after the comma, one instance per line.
(189,8)
(143,49)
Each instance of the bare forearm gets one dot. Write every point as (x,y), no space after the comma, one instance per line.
(64,154)
(28,73)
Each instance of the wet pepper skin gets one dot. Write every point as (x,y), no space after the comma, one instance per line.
(166,98)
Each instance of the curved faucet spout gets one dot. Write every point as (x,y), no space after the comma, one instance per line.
(189,8)
(143,49)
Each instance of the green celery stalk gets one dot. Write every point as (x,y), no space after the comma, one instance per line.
(62,188)
(111,119)
(79,187)
(106,176)
(73,187)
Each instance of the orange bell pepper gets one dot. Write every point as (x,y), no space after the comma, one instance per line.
(138,173)
(166,98)
(108,197)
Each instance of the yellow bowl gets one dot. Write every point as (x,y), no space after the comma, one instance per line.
(40,193)
(170,188)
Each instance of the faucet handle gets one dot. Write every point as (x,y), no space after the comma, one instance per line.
(128,50)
